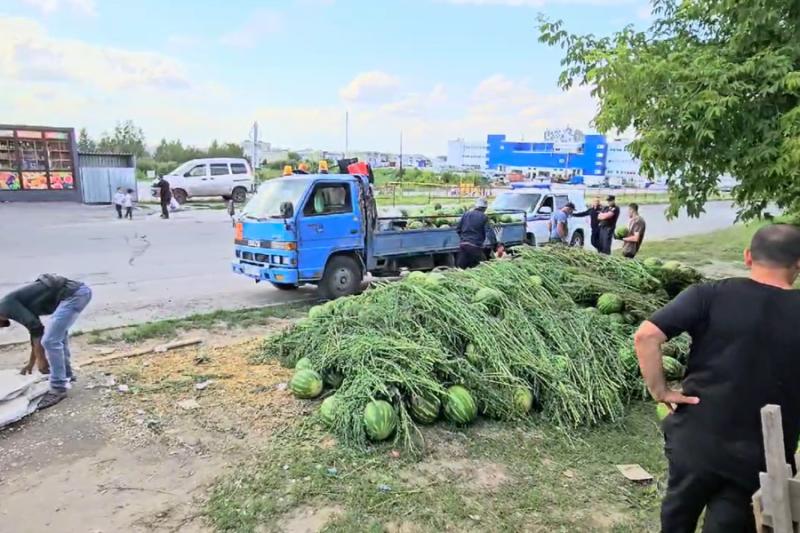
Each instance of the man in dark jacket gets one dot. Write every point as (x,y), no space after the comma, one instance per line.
(473,229)
(593,212)
(607,221)
(165,195)
(744,355)
(62,298)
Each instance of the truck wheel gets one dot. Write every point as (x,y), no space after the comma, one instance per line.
(180,196)
(284,286)
(530,239)
(239,195)
(342,278)
(577,240)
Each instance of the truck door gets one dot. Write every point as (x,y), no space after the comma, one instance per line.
(541,218)
(327,223)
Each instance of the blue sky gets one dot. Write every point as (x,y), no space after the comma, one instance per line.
(435,69)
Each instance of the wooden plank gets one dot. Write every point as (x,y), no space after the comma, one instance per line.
(777,494)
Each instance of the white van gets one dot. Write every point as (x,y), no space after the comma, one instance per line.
(229,177)
(539,202)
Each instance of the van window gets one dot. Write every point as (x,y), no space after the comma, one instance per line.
(561,201)
(238,168)
(219,169)
(547,202)
(328,199)
(199,170)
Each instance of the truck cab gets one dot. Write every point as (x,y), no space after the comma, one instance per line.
(539,202)
(324,229)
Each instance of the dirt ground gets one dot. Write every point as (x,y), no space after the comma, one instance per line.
(139,440)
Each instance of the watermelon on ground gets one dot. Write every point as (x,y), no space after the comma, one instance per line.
(673,265)
(472,354)
(488,296)
(535,281)
(652,262)
(316,312)
(609,303)
(425,408)
(662,411)
(523,400)
(306,383)
(327,409)
(673,369)
(380,419)
(617,318)
(332,378)
(459,405)
(302,363)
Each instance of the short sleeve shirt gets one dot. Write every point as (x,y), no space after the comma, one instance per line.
(558,217)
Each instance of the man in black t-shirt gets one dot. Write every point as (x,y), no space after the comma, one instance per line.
(745,354)
(607,223)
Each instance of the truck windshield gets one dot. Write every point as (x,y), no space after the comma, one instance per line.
(516,201)
(267,201)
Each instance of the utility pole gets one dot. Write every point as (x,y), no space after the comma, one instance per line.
(400,175)
(346,133)
(255,161)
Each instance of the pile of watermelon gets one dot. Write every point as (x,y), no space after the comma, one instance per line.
(548,332)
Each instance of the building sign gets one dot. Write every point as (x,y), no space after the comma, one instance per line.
(564,136)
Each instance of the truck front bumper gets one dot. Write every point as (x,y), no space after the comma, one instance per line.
(288,276)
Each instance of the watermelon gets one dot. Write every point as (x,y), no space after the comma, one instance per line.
(617,318)
(303,363)
(316,312)
(327,409)
(662,411)
(506,219)
(630,319)
(652,262)
(443,223)
(434,278)
(459,405)
(417,276)
(437,207)
(673,369)
(332,378)
(306,384)
(523,400)
(488,296)
(609,303)
(472,354)
(621,232)
(673,265)
(415,224)
(591,310)
(425,408)
(380,419)
(535,281)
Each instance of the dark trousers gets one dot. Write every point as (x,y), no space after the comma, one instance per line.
(469,256)
(164,209)
(595,239)
(691,489)
(606,235)
(119,210)
(129,213)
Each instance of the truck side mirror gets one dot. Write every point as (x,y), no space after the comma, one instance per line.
(287,210)
(545,210)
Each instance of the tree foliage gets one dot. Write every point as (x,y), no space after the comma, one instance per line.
(85,142)
(712,87)
(127,138)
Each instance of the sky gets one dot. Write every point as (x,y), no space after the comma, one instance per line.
(206,69)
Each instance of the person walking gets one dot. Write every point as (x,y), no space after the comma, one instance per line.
(119,199)
(744,355)
(593,212)
(165,196)
(558,226)
(127,202)
(635,234)
(473,229)
(65,300)
(607,223)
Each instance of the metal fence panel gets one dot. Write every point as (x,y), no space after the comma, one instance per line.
(99,184)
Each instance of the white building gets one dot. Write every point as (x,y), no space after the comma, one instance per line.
(264,153)
(621,166)
(463,154)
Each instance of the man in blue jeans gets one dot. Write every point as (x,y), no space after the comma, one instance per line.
(62,298)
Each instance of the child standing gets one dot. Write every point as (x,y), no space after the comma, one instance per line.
(119,199)
(128,203)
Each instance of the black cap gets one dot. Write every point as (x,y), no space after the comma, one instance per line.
(611,198)
(570,205)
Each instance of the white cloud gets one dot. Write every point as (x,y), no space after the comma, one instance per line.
(418,103)
(537,3)
(85,7)
(29,54)
(370,87)
(260,23)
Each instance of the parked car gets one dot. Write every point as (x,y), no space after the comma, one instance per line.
(539,201)
(231,178)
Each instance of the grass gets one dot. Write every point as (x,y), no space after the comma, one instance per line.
(721,246)
(490,477)
(241,318)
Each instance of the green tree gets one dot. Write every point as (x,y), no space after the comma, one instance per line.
(86,143)
(127,138)
(712,87)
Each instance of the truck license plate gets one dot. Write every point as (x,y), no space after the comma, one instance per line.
(252,270)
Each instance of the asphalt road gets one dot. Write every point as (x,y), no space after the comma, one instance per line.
(149,269)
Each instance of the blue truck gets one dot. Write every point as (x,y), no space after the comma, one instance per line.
(324,229)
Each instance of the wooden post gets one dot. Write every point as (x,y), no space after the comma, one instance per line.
(776,482)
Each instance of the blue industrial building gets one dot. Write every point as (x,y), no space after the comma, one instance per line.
(576,156)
